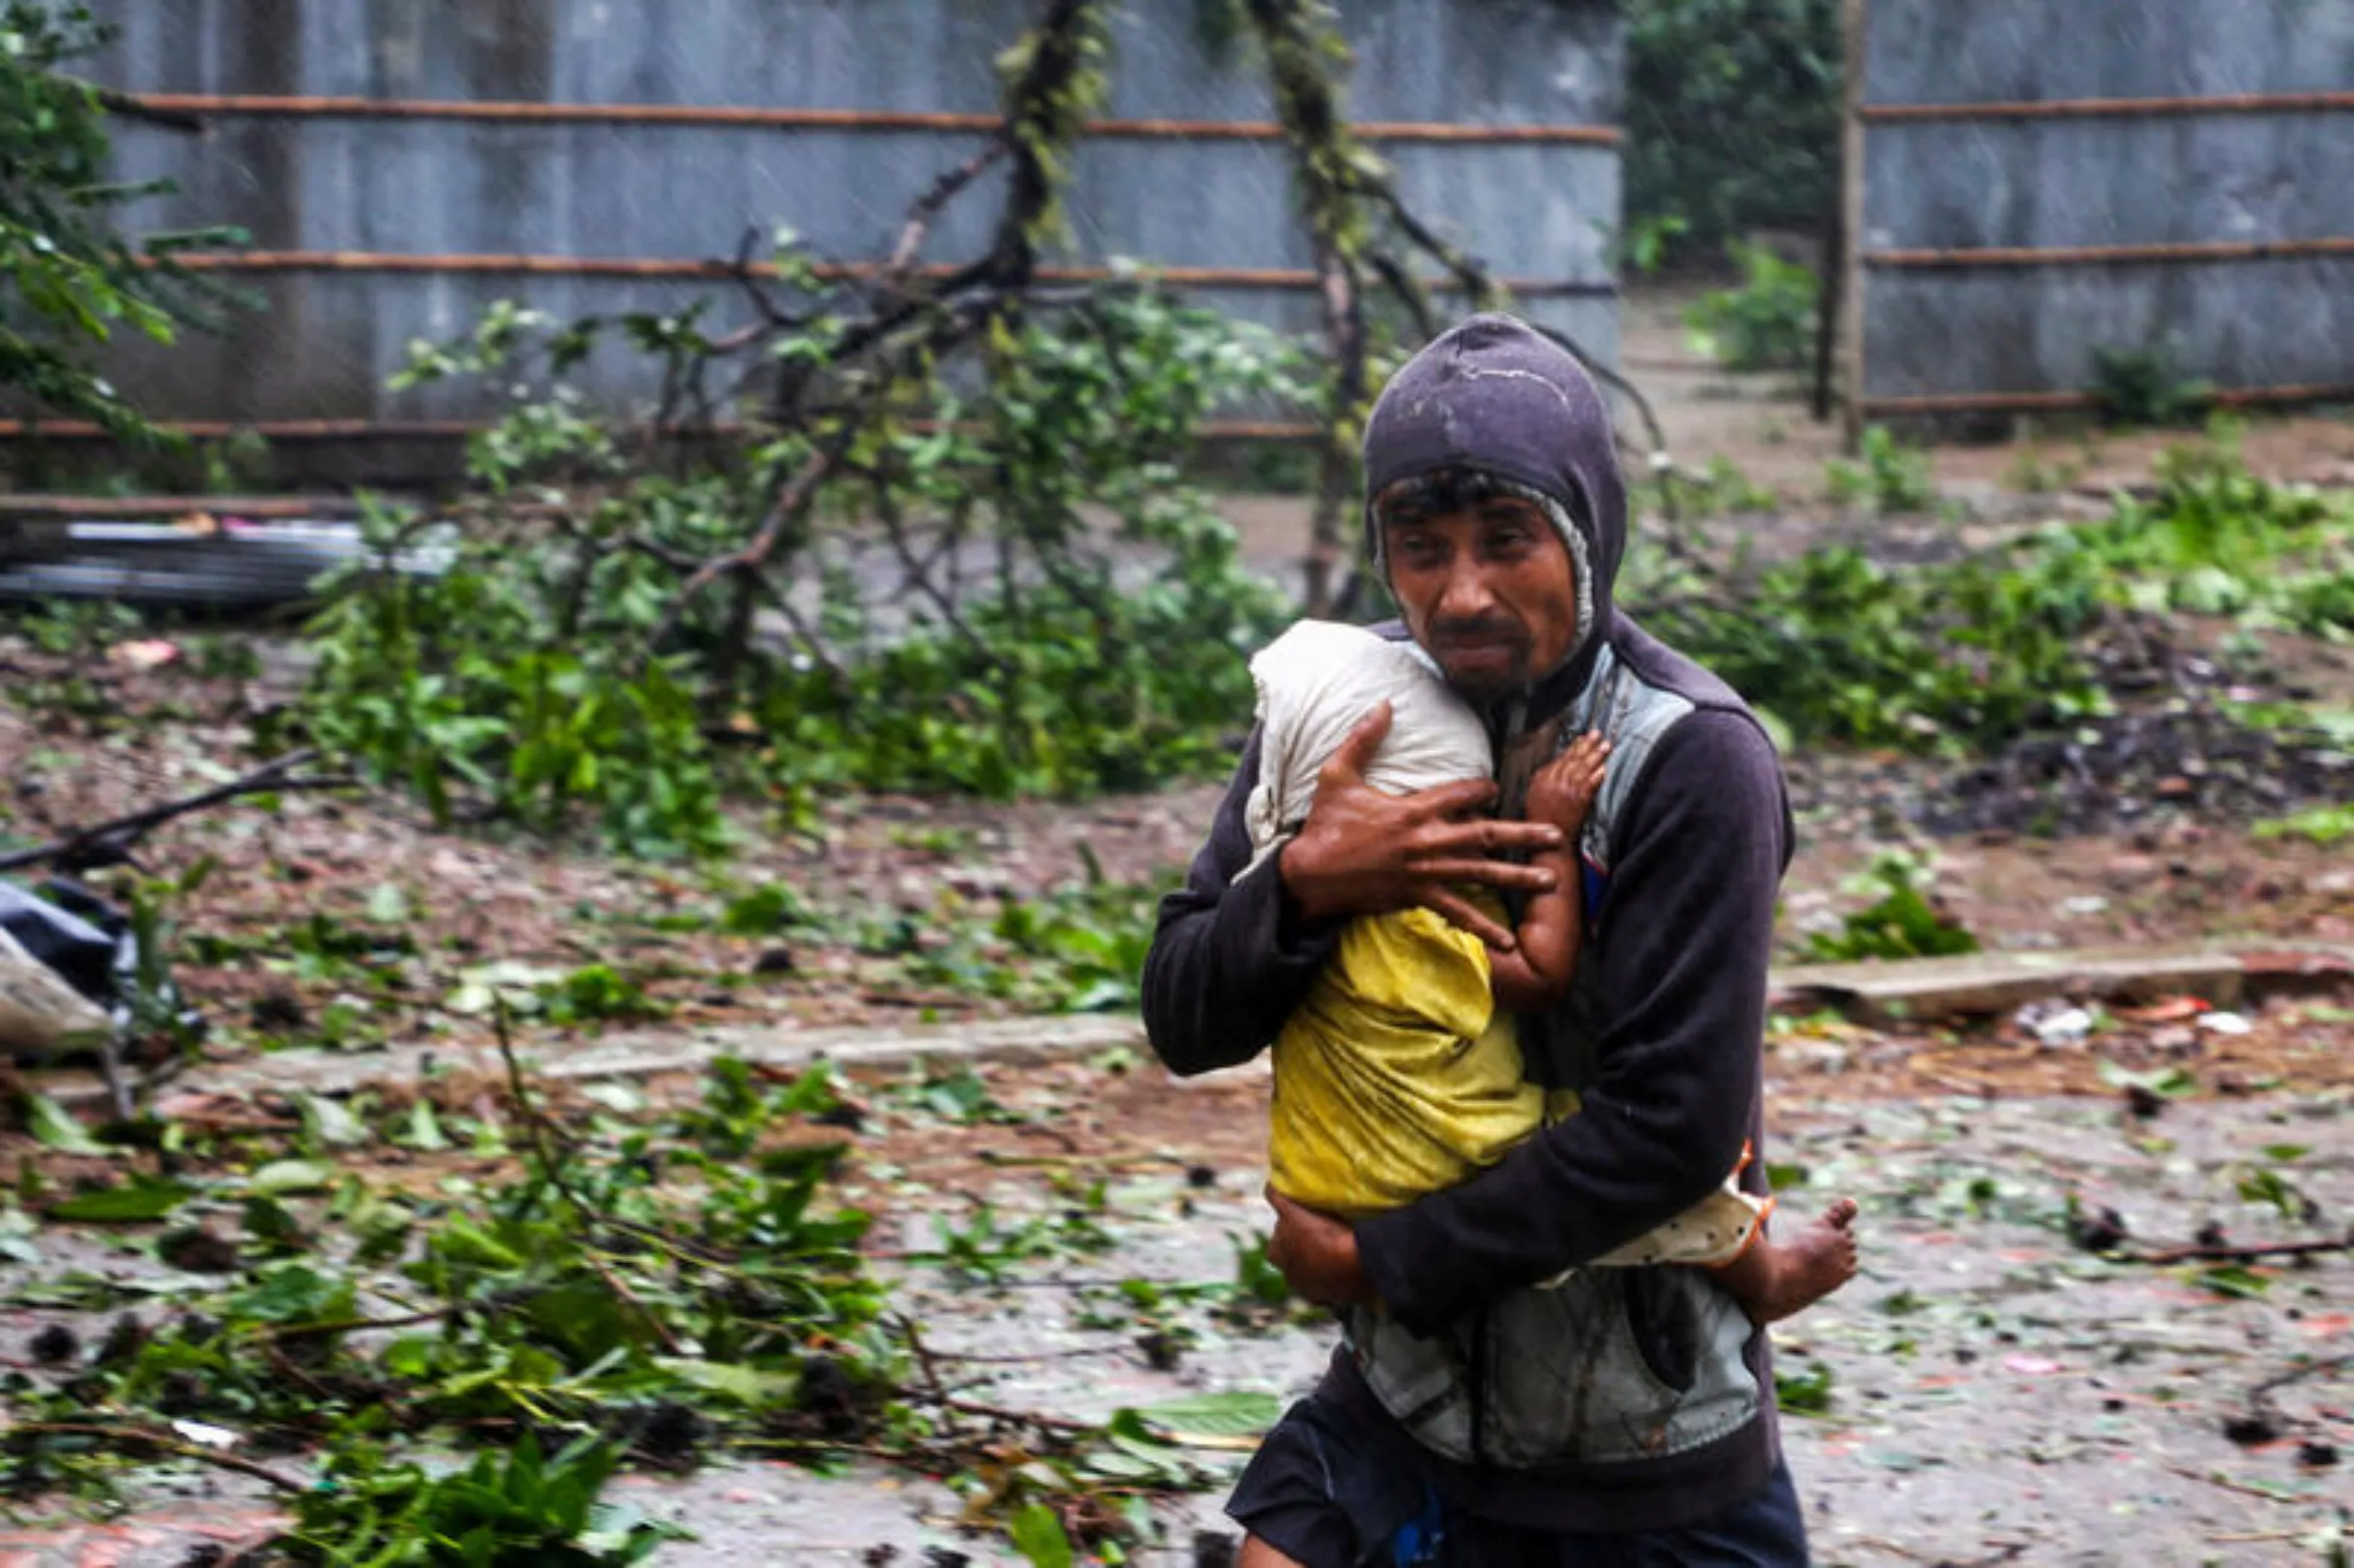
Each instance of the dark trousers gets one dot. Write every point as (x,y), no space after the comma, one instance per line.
(1322,1496)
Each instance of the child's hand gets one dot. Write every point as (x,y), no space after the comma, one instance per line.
(1562,792)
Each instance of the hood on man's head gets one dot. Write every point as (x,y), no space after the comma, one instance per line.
(1496,396)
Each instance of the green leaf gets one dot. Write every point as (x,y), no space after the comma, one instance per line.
(1236,1413)
(748,1387)
(53,1126)
(133,1202)
(2173,1083)
(2236,1281)
(331,1122)
(423,1132)
(280,1178)
(387,905)
(1806,1394)
(1038,1535)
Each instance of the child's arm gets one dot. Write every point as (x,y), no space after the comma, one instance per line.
(1536,973)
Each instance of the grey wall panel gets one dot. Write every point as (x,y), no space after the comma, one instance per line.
(1948,186)
(2268,323)
(446,188)
(1949,51)
(2213,177)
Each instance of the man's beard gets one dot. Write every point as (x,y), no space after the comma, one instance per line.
(1490,676)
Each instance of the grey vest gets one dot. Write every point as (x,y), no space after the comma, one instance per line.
(1608,1365)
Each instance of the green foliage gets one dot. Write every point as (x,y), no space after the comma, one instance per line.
(1804,1393)
(1732,116)
(2216,539)
(72,282)
(1891,477)
(1766,324)
(457,680)
(517,1510)
(2142,388)
(1644,248)
(1079,948)
(1970,653)
(766,911)
(2321,825)
(1038,1535)
(1835,646)
(1901,923)
(551,675)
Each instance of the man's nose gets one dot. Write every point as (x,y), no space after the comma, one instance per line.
(1466,597)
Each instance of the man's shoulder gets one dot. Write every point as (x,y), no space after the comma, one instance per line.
(1701,738)
(1657,665)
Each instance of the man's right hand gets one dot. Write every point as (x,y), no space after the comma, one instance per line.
(1365,853)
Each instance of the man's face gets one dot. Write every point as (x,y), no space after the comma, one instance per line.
(1489,590)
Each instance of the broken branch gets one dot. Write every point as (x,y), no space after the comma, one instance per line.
(160,1441)
(109,842)
(2240,1254)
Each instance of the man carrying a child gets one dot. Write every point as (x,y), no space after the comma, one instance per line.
(1499,1401)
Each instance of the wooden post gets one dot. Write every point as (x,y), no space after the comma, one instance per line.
(1829,293)
(1854,24)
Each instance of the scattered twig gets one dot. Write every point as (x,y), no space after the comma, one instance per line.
(1052,1426)
(109,842)
(160,1441)
(629,1297)
(2240,1254)
(2298,1374)
(308,1331)
(1074,1352)
(933,1385)
(537,1127)
(110,1068)
(2229,1485)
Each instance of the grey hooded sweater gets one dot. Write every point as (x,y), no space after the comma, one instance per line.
(1663,1036)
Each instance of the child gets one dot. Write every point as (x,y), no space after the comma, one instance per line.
(1400,1073)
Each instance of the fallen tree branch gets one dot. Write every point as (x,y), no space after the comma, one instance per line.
(2240,1254)
(927,206)
(795,499)
(109,842)
(160,1441)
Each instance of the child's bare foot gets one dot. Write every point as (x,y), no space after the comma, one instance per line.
(1805,1266)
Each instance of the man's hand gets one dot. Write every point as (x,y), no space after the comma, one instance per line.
(1364,852)
(1317,1255)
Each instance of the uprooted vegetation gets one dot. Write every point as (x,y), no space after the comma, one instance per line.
(2157,613)
(352,1284)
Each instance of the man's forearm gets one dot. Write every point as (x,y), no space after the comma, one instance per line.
(1228,960)
(1222,977)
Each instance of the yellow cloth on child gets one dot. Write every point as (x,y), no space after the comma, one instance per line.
(1398,1075)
